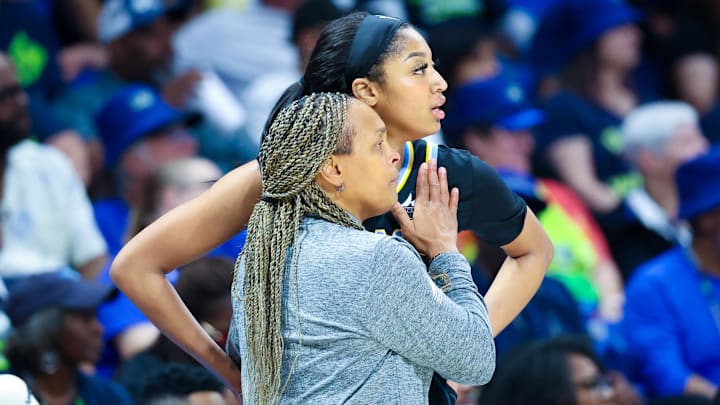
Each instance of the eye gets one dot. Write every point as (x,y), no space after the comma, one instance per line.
(420,69)
(380,144)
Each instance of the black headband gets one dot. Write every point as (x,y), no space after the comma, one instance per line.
(370,41)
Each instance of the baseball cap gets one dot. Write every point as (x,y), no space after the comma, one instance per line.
(132,113)
(497,101)
(32,294)
(574,25)
(118,17)
(698,183)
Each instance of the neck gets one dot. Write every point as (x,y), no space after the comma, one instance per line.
(612,92)
(611,78)
(59,388)
(707,254)
(664,192)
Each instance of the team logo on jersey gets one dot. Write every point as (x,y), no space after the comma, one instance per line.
(409,205)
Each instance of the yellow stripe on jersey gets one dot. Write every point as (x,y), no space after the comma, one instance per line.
(408,160)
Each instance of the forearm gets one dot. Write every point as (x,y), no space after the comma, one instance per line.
(597,195)
(609,283)
(450,335)
(515,284)
(697,385)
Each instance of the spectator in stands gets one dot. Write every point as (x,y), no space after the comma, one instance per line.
(695,80)
(140,133)
(138,37)
(174,184)
(657,138)
(494,120)
(561,371)
(28,38)
(466,51)
(182,384)
(672,314)
(580,141)
(47,219)
(55,332)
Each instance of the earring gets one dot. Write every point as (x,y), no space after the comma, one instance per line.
(49,362)
(341,188)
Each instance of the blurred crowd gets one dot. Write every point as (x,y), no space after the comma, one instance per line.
(603,115)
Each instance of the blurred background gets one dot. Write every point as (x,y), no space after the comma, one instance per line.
(602,114)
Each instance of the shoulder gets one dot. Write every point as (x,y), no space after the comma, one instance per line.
(566,99)
(29,153)
(354,242)
(664,269)
(102,390)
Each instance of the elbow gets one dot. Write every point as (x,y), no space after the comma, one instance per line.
(480,360)
(481,371)
(548,252)
(118,270)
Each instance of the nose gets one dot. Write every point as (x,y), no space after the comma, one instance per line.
(393,156)
(439,83)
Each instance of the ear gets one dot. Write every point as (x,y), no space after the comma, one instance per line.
(365,90)
(330,177)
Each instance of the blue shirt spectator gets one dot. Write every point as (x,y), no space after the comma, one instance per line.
(672,313)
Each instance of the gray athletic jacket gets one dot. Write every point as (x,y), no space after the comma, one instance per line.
(364,321)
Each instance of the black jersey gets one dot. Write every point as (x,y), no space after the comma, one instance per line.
(486,206)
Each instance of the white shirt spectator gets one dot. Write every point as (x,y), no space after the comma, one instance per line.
(239,45)
(47,219)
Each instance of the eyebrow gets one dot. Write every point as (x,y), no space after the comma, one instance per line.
(380,131)
(415,54)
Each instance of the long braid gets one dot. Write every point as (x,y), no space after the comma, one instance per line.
(300,140)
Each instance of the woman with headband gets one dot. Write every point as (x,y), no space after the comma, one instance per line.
(388,65)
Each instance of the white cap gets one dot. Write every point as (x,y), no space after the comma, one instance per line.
(14,391)
(651,125)
(118,17)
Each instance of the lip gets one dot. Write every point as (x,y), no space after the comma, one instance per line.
(441,101)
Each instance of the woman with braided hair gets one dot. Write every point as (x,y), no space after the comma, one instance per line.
(325,312)
(387,65)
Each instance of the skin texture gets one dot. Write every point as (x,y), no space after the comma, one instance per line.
(405,103)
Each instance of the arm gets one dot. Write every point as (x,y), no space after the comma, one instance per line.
(407,313)
(573,160)
(180,236)
(609,283)
(529,256)
(448,332)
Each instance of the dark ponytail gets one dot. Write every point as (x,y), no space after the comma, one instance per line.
(326,70)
